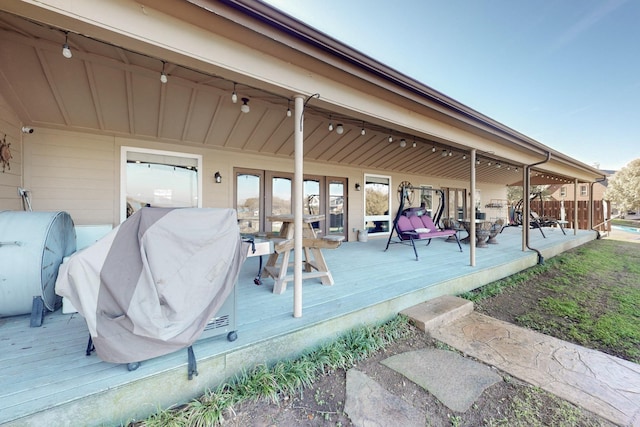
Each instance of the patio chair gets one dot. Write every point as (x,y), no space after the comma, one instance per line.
(496,228)
(545,221)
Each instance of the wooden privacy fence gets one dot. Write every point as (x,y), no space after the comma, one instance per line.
(552,208)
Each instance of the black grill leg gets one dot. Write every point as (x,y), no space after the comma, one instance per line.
(192,365)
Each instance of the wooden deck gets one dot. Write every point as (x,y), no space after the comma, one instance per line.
(46,379)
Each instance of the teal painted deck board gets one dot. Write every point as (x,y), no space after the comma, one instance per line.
(45,369)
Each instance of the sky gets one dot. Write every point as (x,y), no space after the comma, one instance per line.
(563,72)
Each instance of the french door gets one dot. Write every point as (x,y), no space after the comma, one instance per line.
(260,194)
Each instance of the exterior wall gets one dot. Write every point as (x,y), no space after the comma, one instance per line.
(598,192)
(11,179)
(80,173)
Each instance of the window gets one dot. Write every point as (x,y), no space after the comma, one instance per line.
(583,190)
(426,198)
(563,191)
(336,206)
(249,200)
(377,198)
(456,203)
(160,179)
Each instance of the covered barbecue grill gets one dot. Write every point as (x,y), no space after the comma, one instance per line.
(154,283)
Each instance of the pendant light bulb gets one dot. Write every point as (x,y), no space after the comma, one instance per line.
(66,52)
(403,143)
(245,107)
(433,149)
(390,138)
(330,127)
(288,108)
(234,95)
(339,129)
(163,76)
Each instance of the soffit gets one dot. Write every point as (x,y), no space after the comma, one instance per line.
(106,89)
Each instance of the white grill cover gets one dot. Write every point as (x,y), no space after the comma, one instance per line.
(151,285)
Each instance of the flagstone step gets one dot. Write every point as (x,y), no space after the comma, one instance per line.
(438,311)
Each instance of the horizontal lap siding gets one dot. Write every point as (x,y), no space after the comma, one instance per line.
(10,179)
(75,173)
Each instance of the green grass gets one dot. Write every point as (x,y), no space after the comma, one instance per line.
(591,297)
(283,378)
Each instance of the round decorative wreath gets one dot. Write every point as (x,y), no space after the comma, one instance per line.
(5,154)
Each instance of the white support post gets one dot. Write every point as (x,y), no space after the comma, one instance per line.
(472,201)
(297,204)
(575,207)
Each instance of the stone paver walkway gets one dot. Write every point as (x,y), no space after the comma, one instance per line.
(603,384)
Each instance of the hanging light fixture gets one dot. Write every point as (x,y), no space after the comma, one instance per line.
(362,132)
(498,165)
(234,95)
(163,76)
(450,153)
(478,162)
(403,143)
(288,108)
(433,149)
(330,124)
(444,153)
(339,129)
(464,157)
(66,52)
(245,106)
(390,138)
(414,144)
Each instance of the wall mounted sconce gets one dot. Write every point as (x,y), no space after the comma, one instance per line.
(357,186)
(217,177)
(245,106)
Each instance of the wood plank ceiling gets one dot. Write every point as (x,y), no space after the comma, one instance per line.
(108,90)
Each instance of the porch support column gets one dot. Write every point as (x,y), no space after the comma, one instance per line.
(525,207)
(472,201)
(575,207)
(590,209)
(297,204)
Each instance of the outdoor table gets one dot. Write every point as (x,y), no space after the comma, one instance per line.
(481,234)
(278,262)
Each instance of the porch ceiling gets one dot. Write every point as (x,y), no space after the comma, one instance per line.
(106,89)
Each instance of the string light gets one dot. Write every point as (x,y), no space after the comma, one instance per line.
(163,76)
(66,52)
(234,95)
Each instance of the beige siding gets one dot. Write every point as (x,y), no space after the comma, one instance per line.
(10,179)
(80,173)
(72,172)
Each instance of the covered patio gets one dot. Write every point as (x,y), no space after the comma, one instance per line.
(48,380)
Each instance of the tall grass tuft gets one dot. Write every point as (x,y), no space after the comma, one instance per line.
(284,378)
